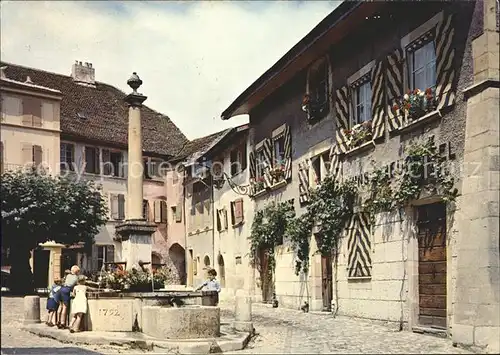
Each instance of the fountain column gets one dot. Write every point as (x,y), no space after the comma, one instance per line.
(136,233)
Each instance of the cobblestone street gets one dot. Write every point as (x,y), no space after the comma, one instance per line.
(279,331)
(285,331)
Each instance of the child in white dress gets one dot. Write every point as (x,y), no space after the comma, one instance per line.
(79,305)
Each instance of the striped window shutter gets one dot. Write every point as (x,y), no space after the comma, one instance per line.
(394,79)
(252,170)
(157,208)
(335,165)
(268,159)
(288,152)
(445,62)
(378,103)
(342,117)
(110,253)
(303,182)
(359,263)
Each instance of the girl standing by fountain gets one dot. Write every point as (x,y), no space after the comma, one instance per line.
(79,306)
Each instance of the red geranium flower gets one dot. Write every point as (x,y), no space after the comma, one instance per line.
(408,106)
(395,107)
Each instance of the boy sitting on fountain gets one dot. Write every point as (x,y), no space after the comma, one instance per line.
(211,284)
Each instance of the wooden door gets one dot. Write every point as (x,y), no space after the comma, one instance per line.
(326,283)
(266,276)
(41,259)
(432,265)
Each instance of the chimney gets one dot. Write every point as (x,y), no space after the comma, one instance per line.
(83,73)
(2,73)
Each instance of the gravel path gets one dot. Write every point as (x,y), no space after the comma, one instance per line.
(279,331)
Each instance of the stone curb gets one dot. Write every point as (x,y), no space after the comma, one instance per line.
(229,341)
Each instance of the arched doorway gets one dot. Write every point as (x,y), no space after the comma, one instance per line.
(178,256)
(206,261)
(222,270)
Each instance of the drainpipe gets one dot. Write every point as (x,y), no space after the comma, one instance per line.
(212,202)
(186,249)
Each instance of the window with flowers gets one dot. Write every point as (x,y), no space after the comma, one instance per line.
(316,100)
(420,98)
(259,170)
(360,127)
(278,168)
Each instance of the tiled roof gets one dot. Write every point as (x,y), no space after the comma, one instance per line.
(99,113)
(199,146)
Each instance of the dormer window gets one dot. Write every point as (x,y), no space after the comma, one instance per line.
(81,116)
(318,104)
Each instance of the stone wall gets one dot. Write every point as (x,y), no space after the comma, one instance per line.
(307,140)
(231,245)
(476,319)
(392,292)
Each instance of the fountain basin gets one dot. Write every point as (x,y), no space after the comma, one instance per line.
(191,322)
(124,312)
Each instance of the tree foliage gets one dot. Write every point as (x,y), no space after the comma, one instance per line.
(37,208)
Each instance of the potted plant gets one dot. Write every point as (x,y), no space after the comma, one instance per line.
(359,134)
(259,184)
(278,172)
(416,103)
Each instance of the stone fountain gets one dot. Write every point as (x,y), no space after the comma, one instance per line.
(182,321)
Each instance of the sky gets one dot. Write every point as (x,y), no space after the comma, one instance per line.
(194,58)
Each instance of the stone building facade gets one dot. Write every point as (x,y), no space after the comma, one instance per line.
(417,266)
(92,145)
(233,211)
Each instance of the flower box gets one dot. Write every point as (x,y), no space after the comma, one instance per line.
(415,104)
(277,173)
(359,134)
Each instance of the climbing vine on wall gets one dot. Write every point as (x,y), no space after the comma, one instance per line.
(268,229)
(331,205)
(329,209)
(423,167)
